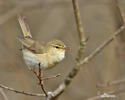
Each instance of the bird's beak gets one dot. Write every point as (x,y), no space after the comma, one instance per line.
(66,48)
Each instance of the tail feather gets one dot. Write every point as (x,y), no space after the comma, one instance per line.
(24,27)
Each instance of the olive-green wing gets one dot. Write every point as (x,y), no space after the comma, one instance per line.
(33,46)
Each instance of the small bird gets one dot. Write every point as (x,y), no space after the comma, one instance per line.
(37,54)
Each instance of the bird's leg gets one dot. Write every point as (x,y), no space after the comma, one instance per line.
(35,72)
(41,75)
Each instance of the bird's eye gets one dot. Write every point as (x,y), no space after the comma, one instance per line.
(56,47)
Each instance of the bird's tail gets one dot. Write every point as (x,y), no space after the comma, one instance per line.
(24,27)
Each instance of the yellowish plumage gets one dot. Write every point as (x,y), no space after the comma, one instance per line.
(38,54)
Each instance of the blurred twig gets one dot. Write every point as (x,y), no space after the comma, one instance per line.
(120,11)
(102,46)
(16,10)
(116,82)
(108,95)
(120,81)
(9,14)
(104,95)
(20,91)
(3,94)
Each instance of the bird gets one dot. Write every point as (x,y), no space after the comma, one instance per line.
(38,54)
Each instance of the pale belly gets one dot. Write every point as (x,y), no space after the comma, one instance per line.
(45,61)
(32,61)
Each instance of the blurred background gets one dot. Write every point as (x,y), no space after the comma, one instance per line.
(54,19)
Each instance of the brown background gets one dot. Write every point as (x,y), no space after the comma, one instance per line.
(50,19)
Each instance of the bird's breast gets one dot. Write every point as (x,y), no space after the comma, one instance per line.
(31,59)
(46,60)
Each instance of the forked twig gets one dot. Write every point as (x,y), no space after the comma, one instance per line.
(50,77)
(41,82)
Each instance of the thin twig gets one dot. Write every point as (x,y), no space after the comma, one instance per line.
(3,94)
(110,94)
(102,46)
(40,82)
(116,82)
(120,81)
(21,91)
(121,12)
(102,96)
(38,75)
(51,77)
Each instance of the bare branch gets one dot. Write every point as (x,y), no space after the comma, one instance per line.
(50,77)
(38,75)
(41,82)
(104,95)
(3,94)
(113,94)
(80,30)
(87,59)
(80,62)
(21,91)
(81,35)
(120,11)
(102,46)
(116,82)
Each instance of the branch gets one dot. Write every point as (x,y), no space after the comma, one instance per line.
(102,46)
(116,82)
(120,81)
(20,91)
(39,76)
(75,70)
(82,39)
(102,96)
(80,62)
(41,82)
(80,30)
(108,95)
(121,12)
(3,94)
(50,77)
(87,59)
